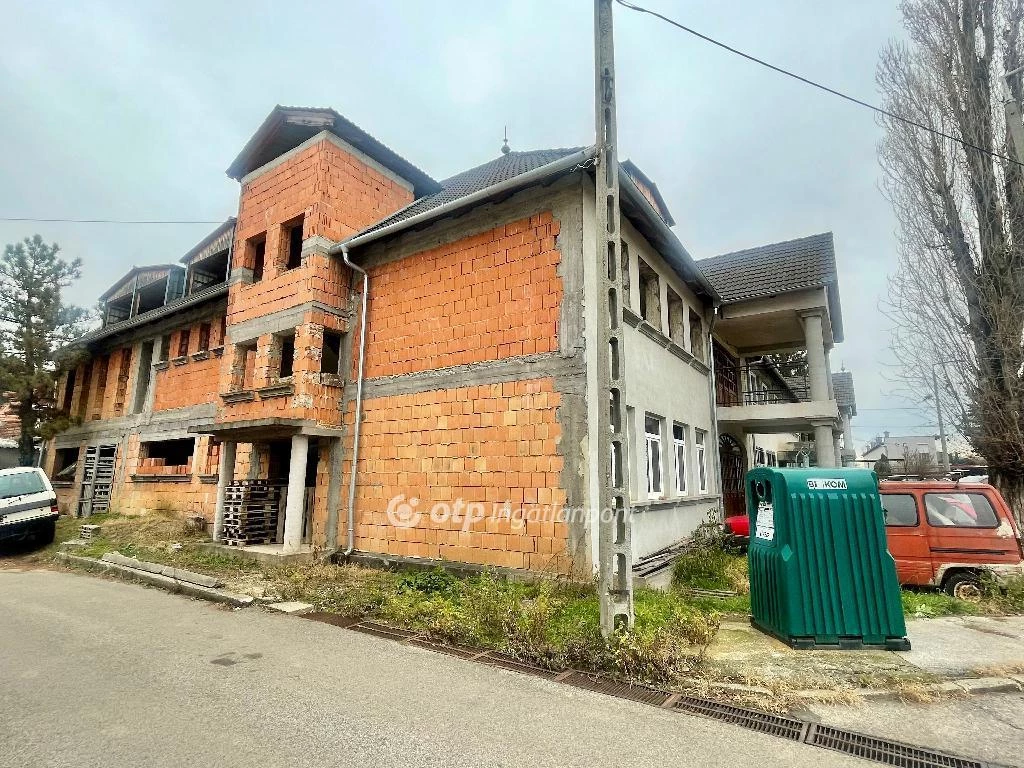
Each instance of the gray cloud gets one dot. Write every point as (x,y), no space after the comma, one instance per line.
(133,111)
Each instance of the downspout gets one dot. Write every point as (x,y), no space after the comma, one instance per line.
(714,410)
(351,545)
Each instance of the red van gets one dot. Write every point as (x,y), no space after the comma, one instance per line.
(941,534)
(949,535)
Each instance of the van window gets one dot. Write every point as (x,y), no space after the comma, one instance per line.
(900,510)
(960,510)
(20,484)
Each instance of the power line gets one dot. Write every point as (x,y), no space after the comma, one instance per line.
(806,81)
(108,221)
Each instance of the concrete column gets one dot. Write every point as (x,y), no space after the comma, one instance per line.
(294,506)
(848,448)
(824,450)
(225,477)
(817,361)
(836,449)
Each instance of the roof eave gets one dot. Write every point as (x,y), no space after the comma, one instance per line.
(131,273)
(674,251)
(537,175)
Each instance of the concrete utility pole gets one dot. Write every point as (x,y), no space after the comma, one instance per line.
(614,538)
(942,428)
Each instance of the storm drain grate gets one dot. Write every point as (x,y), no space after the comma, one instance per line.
(331,618)
(382,630)
(451,650)
(885,751)
(826,737)
(638,693)
(514,664)
(774,725)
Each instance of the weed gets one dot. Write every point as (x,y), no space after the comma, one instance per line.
(926,605)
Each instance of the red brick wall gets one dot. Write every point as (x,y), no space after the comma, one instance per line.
(337,194)
(491,443)
(489,296)
(192,382)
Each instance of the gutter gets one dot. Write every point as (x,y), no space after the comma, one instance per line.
(522,180)
(351,541)
(636,197)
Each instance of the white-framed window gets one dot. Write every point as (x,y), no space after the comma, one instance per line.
(679,454)
(702,461)
(655,463)
(760,459)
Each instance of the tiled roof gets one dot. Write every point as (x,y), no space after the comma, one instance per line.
(809,262)
(842,386)
(475,179)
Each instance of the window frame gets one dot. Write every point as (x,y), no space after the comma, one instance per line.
(700,446)
(654,439)
(917,511)
(939,526)
(679,456)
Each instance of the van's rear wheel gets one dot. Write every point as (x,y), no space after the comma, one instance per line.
(965,586)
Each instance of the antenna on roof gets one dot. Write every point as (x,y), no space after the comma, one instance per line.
(505,148)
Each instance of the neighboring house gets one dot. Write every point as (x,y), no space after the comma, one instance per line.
(479,375)
(777,298)
(898,447)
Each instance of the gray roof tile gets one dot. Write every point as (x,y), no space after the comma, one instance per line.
(842,386)
(808,262)
(466,183)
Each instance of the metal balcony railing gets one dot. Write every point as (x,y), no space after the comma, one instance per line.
(760,384)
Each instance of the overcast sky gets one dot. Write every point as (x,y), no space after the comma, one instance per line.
(134,111)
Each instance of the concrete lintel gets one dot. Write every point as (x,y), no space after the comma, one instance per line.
(550,364)
(152,426)
(282,320)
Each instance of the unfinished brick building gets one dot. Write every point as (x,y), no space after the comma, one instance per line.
(474,367)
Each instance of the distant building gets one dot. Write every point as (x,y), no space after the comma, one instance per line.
(898,447)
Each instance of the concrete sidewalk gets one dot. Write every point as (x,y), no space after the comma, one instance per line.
(962,645)
(952,647)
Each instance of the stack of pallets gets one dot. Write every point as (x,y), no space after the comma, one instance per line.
(250,512)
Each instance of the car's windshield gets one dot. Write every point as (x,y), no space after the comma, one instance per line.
(20,483)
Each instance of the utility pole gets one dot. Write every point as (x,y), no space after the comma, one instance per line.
(942,428)
(614,538)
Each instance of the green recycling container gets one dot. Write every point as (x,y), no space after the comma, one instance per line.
(821,575)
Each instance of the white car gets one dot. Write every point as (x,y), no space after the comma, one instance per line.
(28,505)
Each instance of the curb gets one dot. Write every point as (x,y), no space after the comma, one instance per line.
(956,686)
(158,580)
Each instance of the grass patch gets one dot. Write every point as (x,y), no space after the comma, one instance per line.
(553,622)
(928,605)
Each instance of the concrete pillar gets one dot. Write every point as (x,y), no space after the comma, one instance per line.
(817,362)
(824,450)
(848,449)
(294,504)
(836,434)
(225,477)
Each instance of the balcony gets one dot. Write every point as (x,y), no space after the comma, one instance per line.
(761,397)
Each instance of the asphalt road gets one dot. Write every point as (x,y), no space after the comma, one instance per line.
(108,674)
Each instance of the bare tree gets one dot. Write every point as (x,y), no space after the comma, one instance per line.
(957,296)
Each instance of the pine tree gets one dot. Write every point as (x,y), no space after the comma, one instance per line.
(34,324)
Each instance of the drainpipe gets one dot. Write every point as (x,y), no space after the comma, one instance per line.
(714,411)
(351,545)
